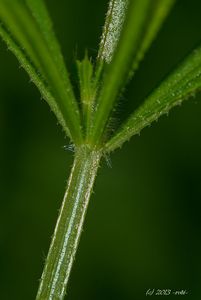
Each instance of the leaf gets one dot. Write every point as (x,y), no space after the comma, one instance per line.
(41,16)
(27,30)
(87,88)
(143,21)
(158,11)
(180,85)
(35,78)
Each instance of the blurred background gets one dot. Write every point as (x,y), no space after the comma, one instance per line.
(143,224)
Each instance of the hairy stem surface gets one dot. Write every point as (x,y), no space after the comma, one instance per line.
(69,225)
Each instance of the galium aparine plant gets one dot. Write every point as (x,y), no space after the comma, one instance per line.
(129,30)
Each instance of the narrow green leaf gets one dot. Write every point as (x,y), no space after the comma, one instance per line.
(41,16)
(87,91)
(183,83)
(157,13)
(26,28)
(35,78)
(143,20)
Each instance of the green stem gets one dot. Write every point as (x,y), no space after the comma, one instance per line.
(69,225)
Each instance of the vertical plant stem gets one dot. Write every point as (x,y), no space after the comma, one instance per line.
(69,225)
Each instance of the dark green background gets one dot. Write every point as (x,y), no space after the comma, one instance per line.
(143,224)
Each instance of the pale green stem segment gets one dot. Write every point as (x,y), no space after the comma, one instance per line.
(143,20)
(112,29)
(183,83)
(69,225)
(27,31)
